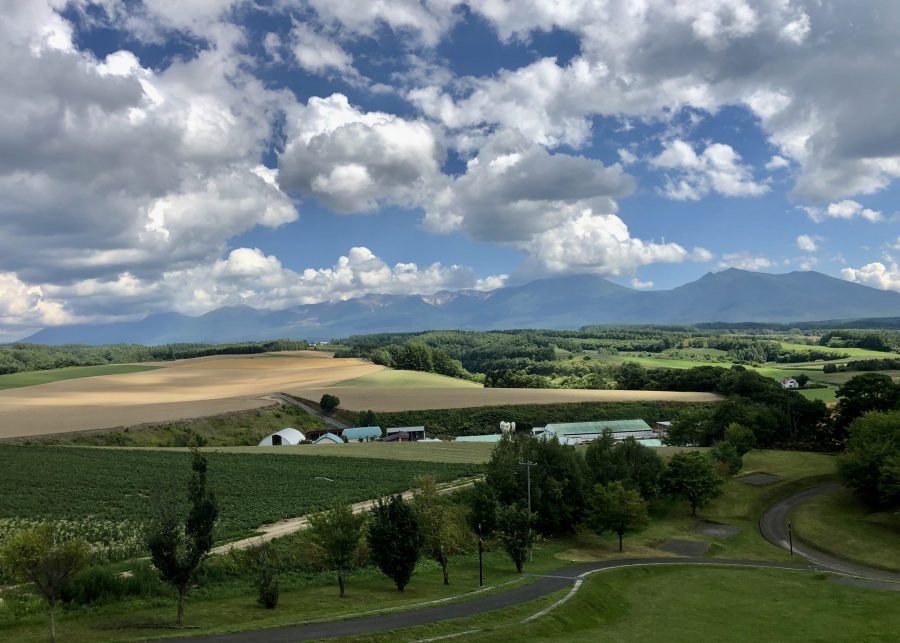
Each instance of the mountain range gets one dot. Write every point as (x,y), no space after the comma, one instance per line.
(561,302)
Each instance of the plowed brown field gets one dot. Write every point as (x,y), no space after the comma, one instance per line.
(182,389)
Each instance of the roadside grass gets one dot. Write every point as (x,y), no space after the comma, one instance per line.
(241,428)
(390,378)
(740,505)
(838,524)
(229,605)
(711,604)
(33,378)
(450,452)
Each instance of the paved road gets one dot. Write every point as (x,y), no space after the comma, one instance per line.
(772,524)
(774,527)
(290,399)
(543,586)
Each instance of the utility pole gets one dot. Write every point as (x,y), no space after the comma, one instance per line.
(528,464)
(790,538)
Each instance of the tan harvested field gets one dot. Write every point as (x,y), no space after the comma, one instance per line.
(179,390)
(417,399)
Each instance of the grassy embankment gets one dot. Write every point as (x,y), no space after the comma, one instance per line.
(839,524)
(242,428)
(33,378)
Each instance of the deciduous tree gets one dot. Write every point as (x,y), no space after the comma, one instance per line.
(516,530)
(692,476)
(38,556)
(395,539)
(617,509)
(338,533)
(441,535)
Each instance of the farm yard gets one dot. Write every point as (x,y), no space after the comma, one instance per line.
(177,390)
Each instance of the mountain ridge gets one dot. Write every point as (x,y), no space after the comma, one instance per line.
(569,301)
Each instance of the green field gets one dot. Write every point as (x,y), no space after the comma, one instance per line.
(390,378)
(243,428)
(837,523)
(449,452)
(854,353)
(32,378)
(44,482)
(719,604)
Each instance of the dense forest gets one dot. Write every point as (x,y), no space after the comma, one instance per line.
(20,357)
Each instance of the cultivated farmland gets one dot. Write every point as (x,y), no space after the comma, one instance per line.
(177,390)
(119,485)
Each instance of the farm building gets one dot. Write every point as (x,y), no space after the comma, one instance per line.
(661,429)
(329,438)
(491,437)
(396,437)
(413,432)
(789,382)
(581,432)
(288,436)
(361,433)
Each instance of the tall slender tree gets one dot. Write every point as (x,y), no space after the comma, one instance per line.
(337,533)
(178,545)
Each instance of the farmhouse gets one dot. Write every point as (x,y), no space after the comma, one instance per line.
(413,433)
(329,438)
(581,432)
(361,433)
(789,382)
(289,436)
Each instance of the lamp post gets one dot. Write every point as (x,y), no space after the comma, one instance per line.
(528,464)
(480,563)
(790,538)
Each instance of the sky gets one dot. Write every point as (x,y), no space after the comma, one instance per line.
(172,155)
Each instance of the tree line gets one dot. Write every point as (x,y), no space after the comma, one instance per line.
(21,357)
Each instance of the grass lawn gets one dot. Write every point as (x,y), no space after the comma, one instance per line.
(33,378)
(390,378)
(839,524)
(452,452)
(243,428)
(709,604)
(827,395)
(739,505)
(230,605)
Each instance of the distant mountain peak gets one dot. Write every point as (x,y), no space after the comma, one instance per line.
(569,301)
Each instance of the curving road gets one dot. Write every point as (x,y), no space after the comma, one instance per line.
(772,525)
(543,586)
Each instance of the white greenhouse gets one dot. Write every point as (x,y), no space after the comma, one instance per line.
(288,436)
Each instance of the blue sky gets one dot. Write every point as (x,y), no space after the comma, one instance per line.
(164,155)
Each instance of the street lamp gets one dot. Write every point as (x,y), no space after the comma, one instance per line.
(528,464)
(480,563)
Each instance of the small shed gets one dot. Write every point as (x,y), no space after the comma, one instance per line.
(414,432)
(288,436)
(329,438)
(362,433)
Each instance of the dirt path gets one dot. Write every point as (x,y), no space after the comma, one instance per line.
(291,525)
